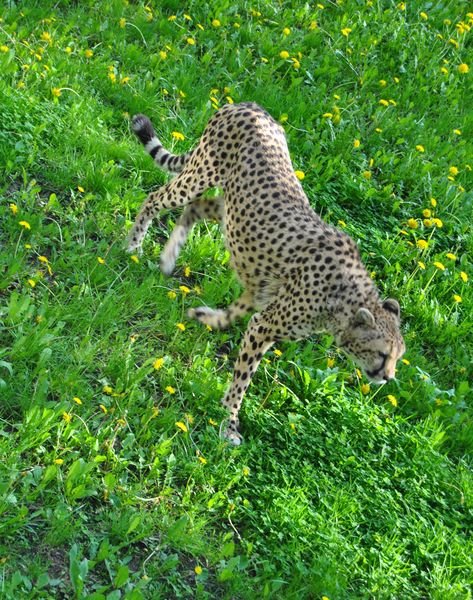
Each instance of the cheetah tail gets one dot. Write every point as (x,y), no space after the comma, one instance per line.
(143,128)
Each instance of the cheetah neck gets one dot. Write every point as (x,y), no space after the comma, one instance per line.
(342,307)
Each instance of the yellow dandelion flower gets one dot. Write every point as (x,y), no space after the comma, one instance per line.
(327,115)
(122,22)
(346,31)
(13,208)
(180,424)
(4,48)
(427,213)
(56,92)
(392,399)
(300,175)
(172,295)
(81,189)
(202,460)
(24,224)
(437,222)
(365,388)
(58,461)
(184,289)
(313,25)
(453,171)
(100,260)
(229,99)
(187,271)
(439,265)
(107,389)
(463,68)
(457,298)
(286,31)
(451,256)
(212,422)
(405,361)
(88,53)
(103,408)
(453,42)
(420,148)
(246,471)
(158,363)
(342,223)
(427,223)
(68,50)
(284,54)
(378,130)
(198,569)
(32,282)
(181,326)
(464,276)
(295,63)
(384,102)
(433,202)
(367,174)
(330,363)
(46,37)
(124,80)
(457,131)
(77,400)
(191,41)
(67,417)
(278,352)
(178,136)
(421,265)
(134,258)
(444,70)
(356,143)
(401,6)
(172,18)
(422,244)
(424,15)
(163,55)
(413,223)
(216,23)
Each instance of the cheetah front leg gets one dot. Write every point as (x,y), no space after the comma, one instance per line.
(221,318)
(283,319)
(257,340)
(201,208)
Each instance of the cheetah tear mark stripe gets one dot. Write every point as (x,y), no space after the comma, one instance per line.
(143,128)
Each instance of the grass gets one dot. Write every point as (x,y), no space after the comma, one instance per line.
(113,480)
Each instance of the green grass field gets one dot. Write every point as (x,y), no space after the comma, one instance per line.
(114,482)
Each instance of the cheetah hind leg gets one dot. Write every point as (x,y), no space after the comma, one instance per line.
(223,317)
(201,208)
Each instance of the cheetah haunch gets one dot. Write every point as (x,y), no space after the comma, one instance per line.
(300,274)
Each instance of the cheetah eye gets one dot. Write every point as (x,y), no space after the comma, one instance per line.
(384,356)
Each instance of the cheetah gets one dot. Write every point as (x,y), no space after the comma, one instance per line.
(300,275)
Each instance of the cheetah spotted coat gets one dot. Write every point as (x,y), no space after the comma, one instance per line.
(299,274)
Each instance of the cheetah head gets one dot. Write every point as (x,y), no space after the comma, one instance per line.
(374,342)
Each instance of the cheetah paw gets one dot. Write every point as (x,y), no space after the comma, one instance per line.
(217,319)
(232,436)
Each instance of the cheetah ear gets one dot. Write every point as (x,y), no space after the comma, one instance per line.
(364,318)
(392,306)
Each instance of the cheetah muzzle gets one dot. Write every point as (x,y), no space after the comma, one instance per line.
(299,274)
